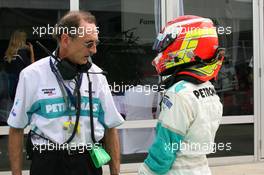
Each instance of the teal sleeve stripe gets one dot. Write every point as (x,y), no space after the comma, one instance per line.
(163,151)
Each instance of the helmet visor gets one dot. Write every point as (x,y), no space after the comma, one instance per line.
(163,41)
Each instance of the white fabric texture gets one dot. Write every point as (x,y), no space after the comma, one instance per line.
(39,102)
(195,112)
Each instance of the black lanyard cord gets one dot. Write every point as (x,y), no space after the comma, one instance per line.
(91,108)
(76,103)
(78,111)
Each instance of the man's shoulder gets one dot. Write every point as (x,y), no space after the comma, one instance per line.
(38,66)
(97,72)
(95,68)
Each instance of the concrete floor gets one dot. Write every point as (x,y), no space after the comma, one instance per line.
(241,169)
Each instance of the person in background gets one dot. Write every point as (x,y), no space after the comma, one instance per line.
(190,57)
(18,55)
(5,101)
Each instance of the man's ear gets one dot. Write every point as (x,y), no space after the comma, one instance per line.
(65,39)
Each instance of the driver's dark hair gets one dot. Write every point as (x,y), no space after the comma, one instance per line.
(71,20)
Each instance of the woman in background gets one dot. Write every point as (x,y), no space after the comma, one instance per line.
(18,55)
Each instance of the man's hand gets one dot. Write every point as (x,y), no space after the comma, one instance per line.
(15,147)
(111,141)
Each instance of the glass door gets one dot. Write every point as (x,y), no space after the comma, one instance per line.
(260,83)
(235,81)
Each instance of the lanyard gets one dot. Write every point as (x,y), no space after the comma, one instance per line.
(63,87)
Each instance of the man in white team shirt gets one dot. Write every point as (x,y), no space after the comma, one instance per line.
(191,110)
(48,97)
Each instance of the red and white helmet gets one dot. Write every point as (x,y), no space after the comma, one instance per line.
(189,43)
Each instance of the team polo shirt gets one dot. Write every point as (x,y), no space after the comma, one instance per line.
(185,132)
(39,103)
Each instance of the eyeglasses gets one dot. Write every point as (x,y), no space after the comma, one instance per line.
(90,44)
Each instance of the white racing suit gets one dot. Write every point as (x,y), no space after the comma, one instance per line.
(190,116)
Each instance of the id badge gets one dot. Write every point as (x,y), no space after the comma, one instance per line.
(68,128)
